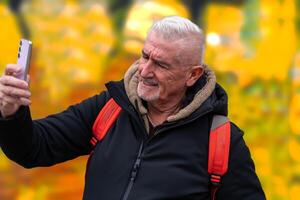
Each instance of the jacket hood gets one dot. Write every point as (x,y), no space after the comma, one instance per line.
(204,92)
(219,101)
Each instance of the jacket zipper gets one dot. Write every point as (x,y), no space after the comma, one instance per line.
(134,172)
(137,162)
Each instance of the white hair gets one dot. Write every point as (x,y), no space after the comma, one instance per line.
(175,27)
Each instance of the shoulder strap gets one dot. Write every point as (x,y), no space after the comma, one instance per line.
(219,143)
(106,117)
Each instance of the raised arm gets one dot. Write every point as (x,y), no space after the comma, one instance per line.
(46,141)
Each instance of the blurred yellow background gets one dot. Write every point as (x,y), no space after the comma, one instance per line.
(252,45)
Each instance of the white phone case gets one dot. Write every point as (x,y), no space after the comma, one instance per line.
(24,58)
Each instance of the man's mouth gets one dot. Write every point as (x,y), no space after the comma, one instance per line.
(149,82)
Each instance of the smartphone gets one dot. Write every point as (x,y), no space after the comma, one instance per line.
(24,58)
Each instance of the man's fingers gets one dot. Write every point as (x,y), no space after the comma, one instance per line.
(8,99)
(12,69)
(25,102)
(21,100)
(12,81)
(12,100)
(15,92)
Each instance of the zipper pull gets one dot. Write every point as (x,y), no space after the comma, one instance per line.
(134,171)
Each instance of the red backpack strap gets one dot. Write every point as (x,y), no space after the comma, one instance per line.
(106,117)
(219,143)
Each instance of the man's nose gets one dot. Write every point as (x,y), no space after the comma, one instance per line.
(147,69)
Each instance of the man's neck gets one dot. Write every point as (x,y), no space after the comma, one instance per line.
(159,111)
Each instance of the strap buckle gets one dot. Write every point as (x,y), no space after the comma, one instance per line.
(215,179)
(93,141)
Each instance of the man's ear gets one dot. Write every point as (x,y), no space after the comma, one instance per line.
(194,74)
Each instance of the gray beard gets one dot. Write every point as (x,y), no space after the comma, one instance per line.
(142,94)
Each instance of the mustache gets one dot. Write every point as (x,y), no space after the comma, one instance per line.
(150,81)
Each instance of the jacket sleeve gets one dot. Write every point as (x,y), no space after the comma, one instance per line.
(53,139)
(241,181)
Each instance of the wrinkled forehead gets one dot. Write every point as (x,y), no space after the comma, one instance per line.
(162,47)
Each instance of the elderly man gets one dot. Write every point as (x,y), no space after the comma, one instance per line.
(158,146)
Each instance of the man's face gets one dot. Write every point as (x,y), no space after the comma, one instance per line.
(161,77)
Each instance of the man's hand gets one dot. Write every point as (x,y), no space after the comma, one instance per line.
(13,91)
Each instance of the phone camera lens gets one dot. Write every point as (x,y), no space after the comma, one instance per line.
(18,55)
(19,49)
(21,42)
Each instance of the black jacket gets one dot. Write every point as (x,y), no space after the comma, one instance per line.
(173,163)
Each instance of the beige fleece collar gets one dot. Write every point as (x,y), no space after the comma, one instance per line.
(131,83)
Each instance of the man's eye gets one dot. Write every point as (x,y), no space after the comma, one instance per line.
(145,57)
(160,65)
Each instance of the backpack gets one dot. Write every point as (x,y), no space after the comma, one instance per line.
(219,141)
